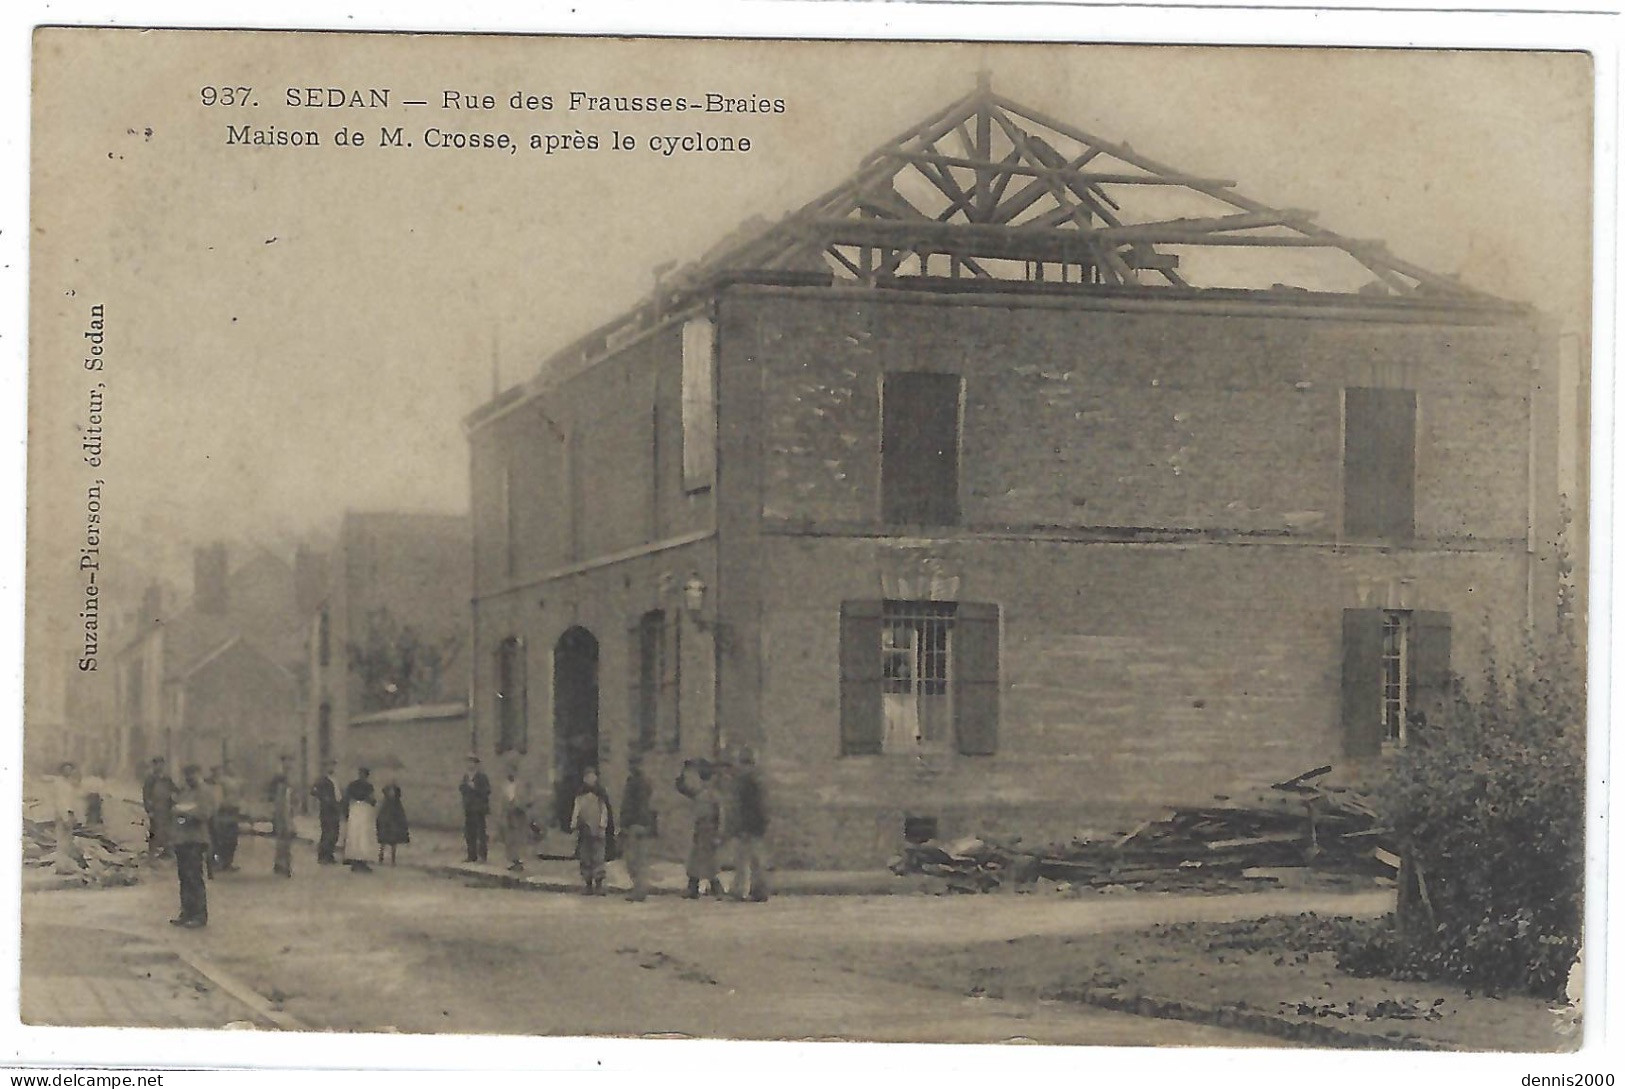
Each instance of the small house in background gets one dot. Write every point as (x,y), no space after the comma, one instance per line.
(388,657)
(1020,482)
(224,676)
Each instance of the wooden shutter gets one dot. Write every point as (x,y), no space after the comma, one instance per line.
(1362,682)
(861,717)
(1430,664)
(976,678)
(919,449)
(1379,463)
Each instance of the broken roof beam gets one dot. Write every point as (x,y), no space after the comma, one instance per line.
(1129,155)
(1026,243)
(1090,178)
(930,131)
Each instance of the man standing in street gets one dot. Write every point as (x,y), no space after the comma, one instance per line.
(749,811)
(638,820)
(476,791)
(229,795)
(189,833)
(157,796)
(282,817)
(329,809)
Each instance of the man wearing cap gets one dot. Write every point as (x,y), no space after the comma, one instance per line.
(189,836)
(476,791)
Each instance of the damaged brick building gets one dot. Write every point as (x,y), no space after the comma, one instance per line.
(1005,487)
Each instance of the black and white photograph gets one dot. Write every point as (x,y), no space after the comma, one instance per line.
(820,540)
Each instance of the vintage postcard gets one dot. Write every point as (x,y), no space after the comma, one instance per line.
(876,541)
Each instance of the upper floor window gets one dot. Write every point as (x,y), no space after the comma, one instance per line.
(1379,463)
(919,448)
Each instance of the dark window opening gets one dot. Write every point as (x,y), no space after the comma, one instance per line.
(511,725)
(1379,463)
(919,449)
(655,695)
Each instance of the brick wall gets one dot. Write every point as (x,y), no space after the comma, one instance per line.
(1172,420)
(1153,499)
(431,745)
(1135,676)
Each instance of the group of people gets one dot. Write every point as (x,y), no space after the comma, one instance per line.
(371,821)
(198,822)
(727,802)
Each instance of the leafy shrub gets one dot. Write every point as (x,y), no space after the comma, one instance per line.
(1488,804)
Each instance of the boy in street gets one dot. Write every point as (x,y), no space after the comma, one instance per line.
(329,810)
(592,823)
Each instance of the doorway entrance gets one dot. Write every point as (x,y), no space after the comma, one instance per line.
(575,716)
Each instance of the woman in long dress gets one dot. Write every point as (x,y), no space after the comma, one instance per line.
(361,834)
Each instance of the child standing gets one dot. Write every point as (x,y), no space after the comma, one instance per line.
(392,827)
(593,823)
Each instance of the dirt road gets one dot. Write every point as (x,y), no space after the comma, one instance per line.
(405,950)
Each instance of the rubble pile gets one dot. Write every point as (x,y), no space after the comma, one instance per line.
(1238,842)
(104,863)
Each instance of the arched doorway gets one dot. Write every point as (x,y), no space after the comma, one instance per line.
(575,715)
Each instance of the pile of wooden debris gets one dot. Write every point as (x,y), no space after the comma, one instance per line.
(1263,838)
(104,862)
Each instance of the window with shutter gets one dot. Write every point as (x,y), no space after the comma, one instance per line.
(919,676)
(654,683)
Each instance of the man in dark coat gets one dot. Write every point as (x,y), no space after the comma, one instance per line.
(191,812)
(749,828)
(157,796)
(330,809)
(476,791)
(639,828)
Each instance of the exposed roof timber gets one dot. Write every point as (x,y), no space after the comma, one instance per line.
(1116,247)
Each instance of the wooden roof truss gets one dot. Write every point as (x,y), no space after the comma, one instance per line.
(990,189)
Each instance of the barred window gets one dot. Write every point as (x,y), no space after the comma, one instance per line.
(916,647)
(919,676)
(1397,681)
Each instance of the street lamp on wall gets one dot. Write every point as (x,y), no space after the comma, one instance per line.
(694,600)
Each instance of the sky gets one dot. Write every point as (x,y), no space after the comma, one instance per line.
(296,331)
